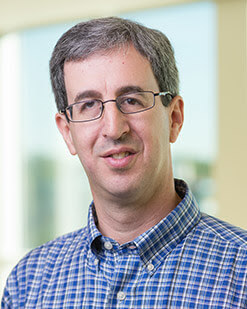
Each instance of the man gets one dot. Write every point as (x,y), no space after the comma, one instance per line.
(146,244)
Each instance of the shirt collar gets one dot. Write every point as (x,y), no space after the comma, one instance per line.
(92,230)
(158,241)
(162,238)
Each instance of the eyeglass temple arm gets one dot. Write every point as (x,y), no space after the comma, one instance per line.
(63,112)
(164,94)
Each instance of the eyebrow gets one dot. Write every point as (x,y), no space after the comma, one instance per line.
(87,94)
(96,94)
(128,89)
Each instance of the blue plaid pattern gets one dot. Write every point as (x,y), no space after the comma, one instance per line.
(188,260)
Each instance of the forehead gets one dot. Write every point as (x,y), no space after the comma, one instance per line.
(107,72)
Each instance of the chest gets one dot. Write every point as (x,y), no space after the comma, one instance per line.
(125,281)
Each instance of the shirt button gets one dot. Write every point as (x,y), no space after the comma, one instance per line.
(96,262)
(150,267)
(108,245)
(121,295)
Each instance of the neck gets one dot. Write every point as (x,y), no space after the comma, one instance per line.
(125,222)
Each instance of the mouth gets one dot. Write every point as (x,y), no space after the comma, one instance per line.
(120,155)
(120,158)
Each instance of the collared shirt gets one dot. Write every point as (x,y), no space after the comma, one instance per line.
(187,260)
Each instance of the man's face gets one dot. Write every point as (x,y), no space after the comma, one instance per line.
(124,156)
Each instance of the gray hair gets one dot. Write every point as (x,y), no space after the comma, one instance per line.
(105,34)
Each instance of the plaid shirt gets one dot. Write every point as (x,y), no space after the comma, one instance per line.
(188,260)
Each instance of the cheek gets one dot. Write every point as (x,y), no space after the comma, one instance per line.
(158,127)
(83,139)
(154,135)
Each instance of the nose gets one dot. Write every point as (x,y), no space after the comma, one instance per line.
(115,123)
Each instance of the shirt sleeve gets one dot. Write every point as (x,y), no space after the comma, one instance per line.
(10,298)
(6,302)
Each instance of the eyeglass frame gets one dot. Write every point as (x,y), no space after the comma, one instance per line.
(162,93)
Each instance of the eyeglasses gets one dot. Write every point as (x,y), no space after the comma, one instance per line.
(129,103)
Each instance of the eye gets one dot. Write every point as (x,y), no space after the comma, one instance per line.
(87,105)
(132,101)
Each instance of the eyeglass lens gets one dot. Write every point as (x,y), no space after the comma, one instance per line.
(128,104)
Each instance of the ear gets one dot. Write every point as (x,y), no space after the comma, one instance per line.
(176,117)
(64,128)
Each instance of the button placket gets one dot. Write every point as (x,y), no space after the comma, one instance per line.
(121,295)
(108,245)
(150,267)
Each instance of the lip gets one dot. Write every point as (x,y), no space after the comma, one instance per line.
(119,163)
(117,151)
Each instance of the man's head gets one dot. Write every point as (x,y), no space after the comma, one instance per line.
(126,155)
(103,35)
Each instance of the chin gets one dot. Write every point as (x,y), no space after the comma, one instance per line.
(126,192)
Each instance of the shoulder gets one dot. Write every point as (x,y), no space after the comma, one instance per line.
(221,233)
(40,263)
(63,247)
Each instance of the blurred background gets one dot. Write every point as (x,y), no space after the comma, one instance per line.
(43,190)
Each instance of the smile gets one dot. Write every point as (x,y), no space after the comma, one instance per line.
(120,155)
(120,158)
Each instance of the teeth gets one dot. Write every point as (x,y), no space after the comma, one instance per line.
(120,155)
